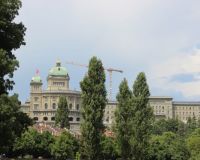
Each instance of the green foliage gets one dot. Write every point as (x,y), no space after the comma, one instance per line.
(34,143)
(168,146)
(62,113)
(11,38)
(191,125)
(65,146)
(169,125)
(123,120)
(93,104)
(193,143)
(142,119)
(13,122)
(109,148)
(78,156)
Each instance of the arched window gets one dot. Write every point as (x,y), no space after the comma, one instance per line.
(77,107)
(52,118)
(46,106)
(70,118)
(45,118)
(70,106)
(54,106)
(78,119)
(35,118)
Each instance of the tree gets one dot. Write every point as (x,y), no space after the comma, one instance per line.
(193,143)
(13,122)
(191,125)
(11,38)
(34,143)
(123,120)
(65,146)
(169,125)
(142,119)
(93,104)
(109,148)
(168,146)
(62,113)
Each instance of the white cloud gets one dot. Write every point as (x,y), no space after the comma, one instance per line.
(181,64)
(127,34)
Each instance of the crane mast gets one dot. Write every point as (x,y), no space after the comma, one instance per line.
(109,70)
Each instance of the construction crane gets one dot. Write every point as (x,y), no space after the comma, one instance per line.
(110,71)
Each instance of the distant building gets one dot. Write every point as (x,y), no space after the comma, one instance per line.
(42,104)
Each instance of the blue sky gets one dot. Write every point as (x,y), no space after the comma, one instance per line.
(161,38)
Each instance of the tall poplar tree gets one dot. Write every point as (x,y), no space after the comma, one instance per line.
(123,119)
(93,105)
(62,113)
(142,119)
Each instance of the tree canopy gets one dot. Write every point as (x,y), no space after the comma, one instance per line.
(34,143)
(123,120)
(13,121)
(93,104)
(64,147)
(11,38)
(142,119)
(168,146)
(62,113)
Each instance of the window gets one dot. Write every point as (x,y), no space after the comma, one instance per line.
(36,99)
(36,106)
(46,98)
(77,107)
(54,106)
(45,113)
(52,118)
(45,118)
(46,106)
(35,118)
(36,87)
(78,119)
(53,98)
(70,106)
(58,83)
(70,118)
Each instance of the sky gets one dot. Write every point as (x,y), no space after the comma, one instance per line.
(160,38)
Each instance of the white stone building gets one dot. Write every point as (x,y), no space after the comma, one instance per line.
(42,103)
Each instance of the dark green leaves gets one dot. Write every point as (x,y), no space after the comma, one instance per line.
(93,104)
(62,113)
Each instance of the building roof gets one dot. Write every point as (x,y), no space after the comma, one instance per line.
(194,103)
(58,70)
(160,97)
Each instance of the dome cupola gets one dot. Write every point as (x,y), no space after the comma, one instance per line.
(58,70)
(36,78)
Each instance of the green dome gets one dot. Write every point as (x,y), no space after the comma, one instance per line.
(58,70)
(36,79)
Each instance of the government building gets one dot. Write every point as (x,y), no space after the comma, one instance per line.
(42,103)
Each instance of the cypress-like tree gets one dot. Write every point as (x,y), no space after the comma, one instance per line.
(123,119)
(62,113)
(142,119)
(93,105)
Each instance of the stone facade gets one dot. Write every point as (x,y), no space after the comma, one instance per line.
(184,110)
(42,104)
